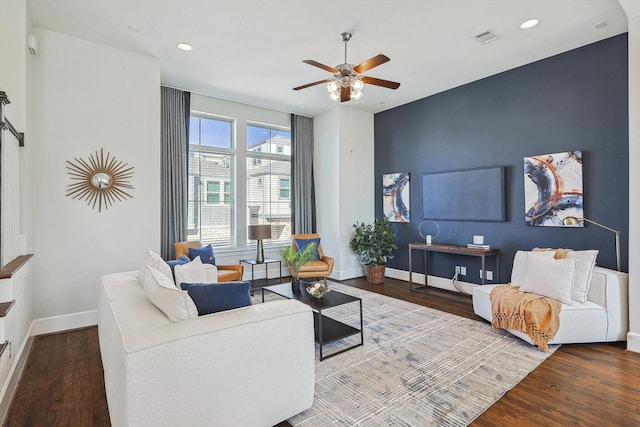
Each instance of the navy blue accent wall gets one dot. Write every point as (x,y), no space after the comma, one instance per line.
(577,100)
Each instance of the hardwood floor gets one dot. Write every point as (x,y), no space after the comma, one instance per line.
(588,385)
(62,384)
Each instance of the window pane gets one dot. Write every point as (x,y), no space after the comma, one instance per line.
(210,132)
(265,206)
(266,140)
(209,216)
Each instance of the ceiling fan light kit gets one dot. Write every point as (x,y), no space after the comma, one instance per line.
(348,82)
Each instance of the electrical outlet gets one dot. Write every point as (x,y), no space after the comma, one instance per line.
(457,269)
(489,274)
(463,270)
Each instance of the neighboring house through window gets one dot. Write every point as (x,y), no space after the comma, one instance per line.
(268,166)
(211,163)
(224,174)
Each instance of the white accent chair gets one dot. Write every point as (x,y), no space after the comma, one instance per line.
(603,317)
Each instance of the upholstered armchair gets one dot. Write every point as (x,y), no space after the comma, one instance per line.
(315,268)
(226,273)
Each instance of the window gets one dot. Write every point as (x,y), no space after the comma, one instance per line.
(210,186)
(268,173)
(284,188)
(213,191)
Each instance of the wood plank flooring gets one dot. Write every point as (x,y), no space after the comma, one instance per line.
(587,385)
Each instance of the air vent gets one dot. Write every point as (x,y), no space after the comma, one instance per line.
(486,37)
(600,25)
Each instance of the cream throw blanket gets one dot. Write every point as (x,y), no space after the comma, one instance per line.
(533,314)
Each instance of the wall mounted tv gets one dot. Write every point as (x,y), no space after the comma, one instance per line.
(466,195)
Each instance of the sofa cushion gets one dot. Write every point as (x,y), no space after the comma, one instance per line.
(519,270)
(215,297)
(553,278)
(154,260)
(161,291)
(303,243)
(192,272)
(584,270)
(205,253)
(182,260)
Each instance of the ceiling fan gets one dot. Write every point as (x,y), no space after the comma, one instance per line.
(348,82)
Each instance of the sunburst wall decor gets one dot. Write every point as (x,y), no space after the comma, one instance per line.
(99,180)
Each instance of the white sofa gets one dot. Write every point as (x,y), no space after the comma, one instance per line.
(252,366)
(603,317)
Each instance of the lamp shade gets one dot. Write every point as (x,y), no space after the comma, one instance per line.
(260,232)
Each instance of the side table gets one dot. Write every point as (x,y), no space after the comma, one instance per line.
(252,262)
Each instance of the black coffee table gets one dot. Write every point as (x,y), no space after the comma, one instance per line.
(327,330)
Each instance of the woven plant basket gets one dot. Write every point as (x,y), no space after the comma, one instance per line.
(375,274)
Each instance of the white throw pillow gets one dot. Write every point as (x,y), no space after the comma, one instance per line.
(177,305)
(154,260)
(550,277)
(584,268)
(519,270)
(192,272)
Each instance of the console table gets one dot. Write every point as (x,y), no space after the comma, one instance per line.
(450,249)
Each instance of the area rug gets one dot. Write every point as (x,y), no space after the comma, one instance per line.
(418,367)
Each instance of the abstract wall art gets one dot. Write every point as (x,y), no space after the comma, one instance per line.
(553,188)
(395,197)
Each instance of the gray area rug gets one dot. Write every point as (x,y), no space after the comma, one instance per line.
(418,367)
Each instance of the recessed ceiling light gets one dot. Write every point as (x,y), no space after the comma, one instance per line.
(184,46)
(529,23)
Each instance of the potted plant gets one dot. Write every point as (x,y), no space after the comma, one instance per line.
(374,244)
(297,258)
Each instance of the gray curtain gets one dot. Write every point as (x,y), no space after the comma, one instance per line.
(303,202)
(174,143)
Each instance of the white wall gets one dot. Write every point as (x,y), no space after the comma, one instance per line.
(633,11)
(87,97)
(344,177)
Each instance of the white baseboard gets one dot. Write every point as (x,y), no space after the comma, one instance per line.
(48,325)
(633,342)
(11,383)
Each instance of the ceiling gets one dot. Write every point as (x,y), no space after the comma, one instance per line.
(251,51)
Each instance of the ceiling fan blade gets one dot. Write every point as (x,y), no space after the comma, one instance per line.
(379,82)
(345,93)
(370,63)
(319,65)
(319,82)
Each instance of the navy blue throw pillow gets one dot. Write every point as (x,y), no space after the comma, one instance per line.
(302,243)
(215,297)
(206,254)
(182,260)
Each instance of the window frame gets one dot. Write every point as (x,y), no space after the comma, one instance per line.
(232,155)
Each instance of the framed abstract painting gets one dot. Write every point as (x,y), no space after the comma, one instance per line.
(553,188)
(395,197)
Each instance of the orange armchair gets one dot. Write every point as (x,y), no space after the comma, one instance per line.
(226,273)
(321,268)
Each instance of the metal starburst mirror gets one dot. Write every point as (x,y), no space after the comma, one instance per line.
(99,180)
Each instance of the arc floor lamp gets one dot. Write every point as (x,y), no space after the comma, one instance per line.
(571,220)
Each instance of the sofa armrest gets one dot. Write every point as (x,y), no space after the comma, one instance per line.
(329,261)
(262,354)
(610,289)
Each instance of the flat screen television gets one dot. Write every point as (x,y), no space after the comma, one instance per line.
(465,195)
